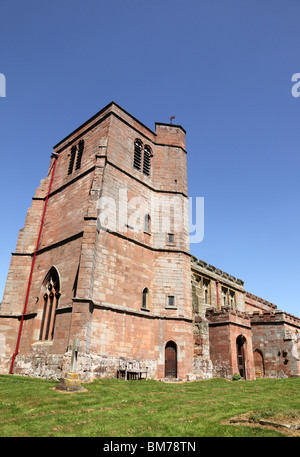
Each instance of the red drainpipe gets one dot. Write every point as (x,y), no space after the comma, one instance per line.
(32,266)
(217,286)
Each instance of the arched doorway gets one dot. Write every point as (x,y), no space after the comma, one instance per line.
(171,360)
(240,352)
(258,363)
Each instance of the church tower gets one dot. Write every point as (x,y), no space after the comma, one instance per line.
(104,256)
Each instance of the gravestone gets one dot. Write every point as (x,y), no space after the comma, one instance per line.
(71,382)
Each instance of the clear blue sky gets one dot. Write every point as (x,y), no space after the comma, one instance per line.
(223,68)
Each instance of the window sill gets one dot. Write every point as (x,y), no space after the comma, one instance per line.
(43,343)
(171,307)
(145,309)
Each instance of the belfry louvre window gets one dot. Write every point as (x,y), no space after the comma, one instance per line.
(79,150)
(142,157)
(79,154)
(146,164)
(51,298)
(137,161)
(72,160)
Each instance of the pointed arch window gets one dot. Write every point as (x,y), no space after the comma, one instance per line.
(137,160)
(72,159)
(146,163)
(51,296)
(79,154)
(142,157)
(75,157)
(145,302)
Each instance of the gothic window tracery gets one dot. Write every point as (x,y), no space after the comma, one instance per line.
(51,298)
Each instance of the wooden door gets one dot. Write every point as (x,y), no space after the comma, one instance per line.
(240,356)
(171,360)
(258,363)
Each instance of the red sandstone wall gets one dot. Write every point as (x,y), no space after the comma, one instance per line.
(224,329)
(113,267)
(60,246)
(275,336)
(128,261)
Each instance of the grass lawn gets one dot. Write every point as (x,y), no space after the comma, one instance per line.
(116,408)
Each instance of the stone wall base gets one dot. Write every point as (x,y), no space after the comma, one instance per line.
(202,369)
(88,367)
(222,370)
(5,363)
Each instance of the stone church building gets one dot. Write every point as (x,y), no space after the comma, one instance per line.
(104,258)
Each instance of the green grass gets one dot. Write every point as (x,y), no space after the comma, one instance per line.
(117,408)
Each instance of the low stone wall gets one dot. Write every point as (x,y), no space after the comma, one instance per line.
(39,364)
(202,369)
(91,366)
(46,366)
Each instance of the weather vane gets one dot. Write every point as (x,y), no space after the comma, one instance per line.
(171,118)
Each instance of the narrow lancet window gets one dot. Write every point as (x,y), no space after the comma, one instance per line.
(72,160)
(79,154)
(51,298)
(146,164)
(145,298)
(137,161)
(147,223)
